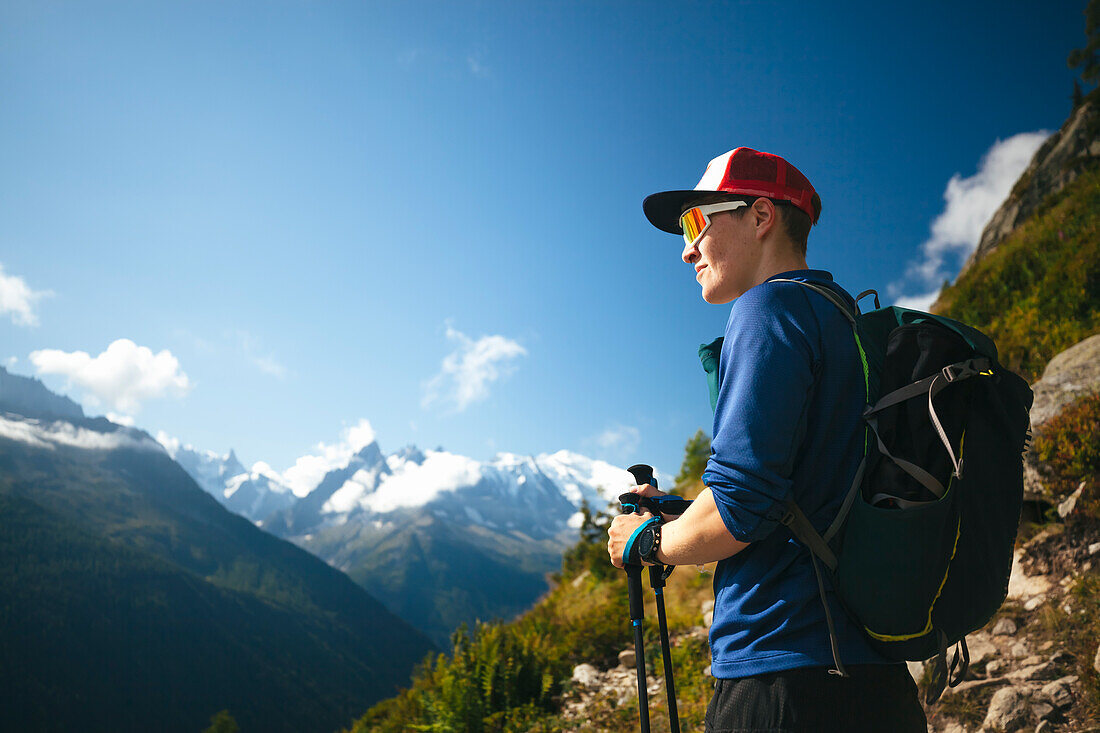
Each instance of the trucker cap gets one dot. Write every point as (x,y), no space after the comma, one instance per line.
(740,172)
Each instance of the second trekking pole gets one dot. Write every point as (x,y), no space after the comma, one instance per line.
(632,563)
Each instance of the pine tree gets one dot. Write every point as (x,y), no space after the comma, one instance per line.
(696,454)
(222,722)
(1089,57)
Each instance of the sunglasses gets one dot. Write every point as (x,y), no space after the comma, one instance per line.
(696,220)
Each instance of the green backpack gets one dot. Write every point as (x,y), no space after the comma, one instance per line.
(920,551)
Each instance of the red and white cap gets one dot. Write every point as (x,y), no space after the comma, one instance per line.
(740,172)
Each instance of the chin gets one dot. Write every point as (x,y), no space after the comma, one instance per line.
(718,298)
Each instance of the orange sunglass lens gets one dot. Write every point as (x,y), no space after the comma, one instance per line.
(692,223)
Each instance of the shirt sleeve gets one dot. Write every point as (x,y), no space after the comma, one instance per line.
(769,362)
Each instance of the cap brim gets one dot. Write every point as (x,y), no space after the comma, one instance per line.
(663,209)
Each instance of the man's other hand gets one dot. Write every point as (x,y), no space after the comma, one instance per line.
(623,526)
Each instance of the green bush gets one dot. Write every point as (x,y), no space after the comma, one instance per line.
(1069,446)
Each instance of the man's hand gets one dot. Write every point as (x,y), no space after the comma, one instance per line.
(619,533)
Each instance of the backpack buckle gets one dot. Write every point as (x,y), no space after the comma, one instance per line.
(964,369)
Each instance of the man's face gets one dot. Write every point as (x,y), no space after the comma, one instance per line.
(726,257)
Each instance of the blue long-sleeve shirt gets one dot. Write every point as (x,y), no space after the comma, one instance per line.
(787,423)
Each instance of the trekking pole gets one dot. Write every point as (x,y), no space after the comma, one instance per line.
(658,505)
(637,613)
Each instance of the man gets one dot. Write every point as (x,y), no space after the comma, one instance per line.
(787,423)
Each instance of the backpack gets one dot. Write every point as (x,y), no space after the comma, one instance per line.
(920,551)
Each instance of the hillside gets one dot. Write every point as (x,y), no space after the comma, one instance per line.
(1035,288)
(130,600)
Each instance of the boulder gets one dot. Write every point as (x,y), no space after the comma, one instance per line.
(627,658)
(1071,374)
(1005,627)
(981,648)
(1031,672)
(1008,710)
(1059,692)
(1067,505)
(586,675)
(1042,710)
(1096,661)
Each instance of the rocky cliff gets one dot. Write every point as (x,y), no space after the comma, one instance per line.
(1057,163)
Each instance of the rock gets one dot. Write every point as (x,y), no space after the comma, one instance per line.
(707,606)
(1042,671)
(628,659)
(1059,692)
(1046,645)
(1042,710)
(973,685)
(1096,661)
(586,675)
(1022,585)
(579,580)
(1094,548)
(1019,650)
(981,648)
(1008,710)
(916,670)
(1071,374)
(706,671)
(1033,659)
(1057,162)
(1066,507)
(953,726)
(1062,657)
(708,617)
(994,668)
(1004,627)
(1033,603)
(1044,727)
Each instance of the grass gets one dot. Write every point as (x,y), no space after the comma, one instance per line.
(1038,293)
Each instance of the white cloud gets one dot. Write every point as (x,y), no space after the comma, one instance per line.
(39,435)
(12,361)
(968,205)
(121,419)
(172,445)
(266,363)
(476,64)
(122,377)
(18,299)
(308,470)
(467,372)
(415,485)
(616,444)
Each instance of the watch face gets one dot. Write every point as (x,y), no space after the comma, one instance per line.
(646,541)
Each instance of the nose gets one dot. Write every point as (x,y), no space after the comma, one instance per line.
(691,252)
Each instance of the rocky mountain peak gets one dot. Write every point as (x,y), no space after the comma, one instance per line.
(1056,163)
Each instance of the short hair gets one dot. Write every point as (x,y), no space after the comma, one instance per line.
(796,223)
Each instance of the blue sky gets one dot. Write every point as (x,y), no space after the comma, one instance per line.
(263,223)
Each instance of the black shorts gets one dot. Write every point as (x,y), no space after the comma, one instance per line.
(875,697)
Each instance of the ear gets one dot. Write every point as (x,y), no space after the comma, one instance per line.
(764,216)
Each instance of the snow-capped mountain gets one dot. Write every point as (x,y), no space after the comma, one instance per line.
(439,537)
(253,494)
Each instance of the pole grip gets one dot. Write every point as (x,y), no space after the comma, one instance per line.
(643,474)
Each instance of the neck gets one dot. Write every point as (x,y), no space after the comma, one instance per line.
(777,257)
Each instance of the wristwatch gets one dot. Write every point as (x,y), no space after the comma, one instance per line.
(649,540)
